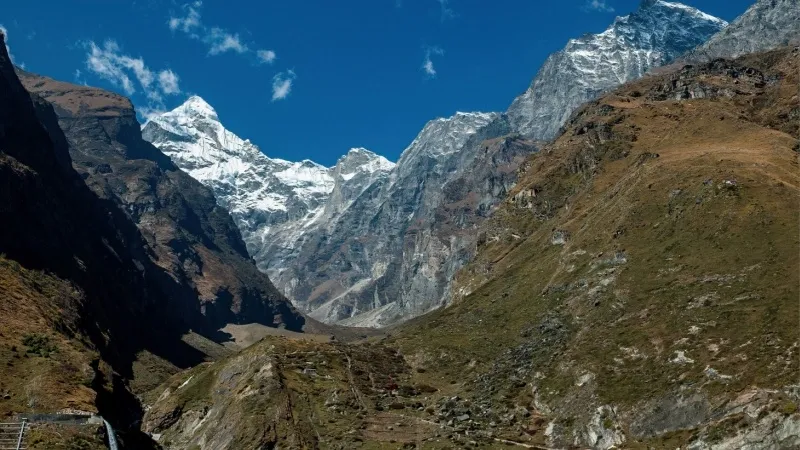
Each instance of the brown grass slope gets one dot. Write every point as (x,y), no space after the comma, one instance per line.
(647,259)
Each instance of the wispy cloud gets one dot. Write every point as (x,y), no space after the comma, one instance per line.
(427,63)
(217,39)
(266,56)
(447,11)
(78,77)
(168,82)
(220,41)
(128,73)
(282,85)
(189,21)
(597,5)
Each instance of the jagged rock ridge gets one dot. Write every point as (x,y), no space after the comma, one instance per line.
(654,35)
(763,26)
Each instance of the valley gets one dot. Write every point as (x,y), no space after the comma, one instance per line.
(613,262)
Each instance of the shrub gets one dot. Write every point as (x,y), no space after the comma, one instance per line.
(39,344)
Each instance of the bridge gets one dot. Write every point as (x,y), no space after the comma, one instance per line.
(12,435)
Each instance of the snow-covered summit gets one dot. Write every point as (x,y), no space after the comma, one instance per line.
(273,201)
(700,15)
(443,136)
(767,24)
(656,34)
(361,160)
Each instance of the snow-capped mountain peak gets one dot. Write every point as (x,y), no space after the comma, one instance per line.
(765,25)
(656,34)
(195,106)
(444,136)
(273,201)
(361,160)
(700,15)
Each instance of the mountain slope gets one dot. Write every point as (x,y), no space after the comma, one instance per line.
(637,289)
(211,280)
(654,35)
(77,310)
(765,25)
(410,241)
(639,286)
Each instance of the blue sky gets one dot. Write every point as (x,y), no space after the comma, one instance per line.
(311,78)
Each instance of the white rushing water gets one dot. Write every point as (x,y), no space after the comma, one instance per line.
(112,438)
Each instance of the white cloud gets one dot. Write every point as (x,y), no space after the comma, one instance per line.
(447,11)
(597,5)
(168,81)
(124,71)
(189,21)
(266,56)
(427,64)
(79,77)
(220,41)
(282,85)
(148,112)
(103,62)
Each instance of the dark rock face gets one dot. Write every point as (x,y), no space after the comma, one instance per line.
(197,256)
(53,223)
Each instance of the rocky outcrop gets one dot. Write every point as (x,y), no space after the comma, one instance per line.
(656,34)
(765,25)
(387,258)
(197,258)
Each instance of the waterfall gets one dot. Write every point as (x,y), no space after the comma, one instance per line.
(112,438)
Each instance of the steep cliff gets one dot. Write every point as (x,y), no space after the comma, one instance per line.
(77,305)
(203,265)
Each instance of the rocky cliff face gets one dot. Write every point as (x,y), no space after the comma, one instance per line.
(79,302)
(765,25)
(396,264)
(654,35)
(203,266)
